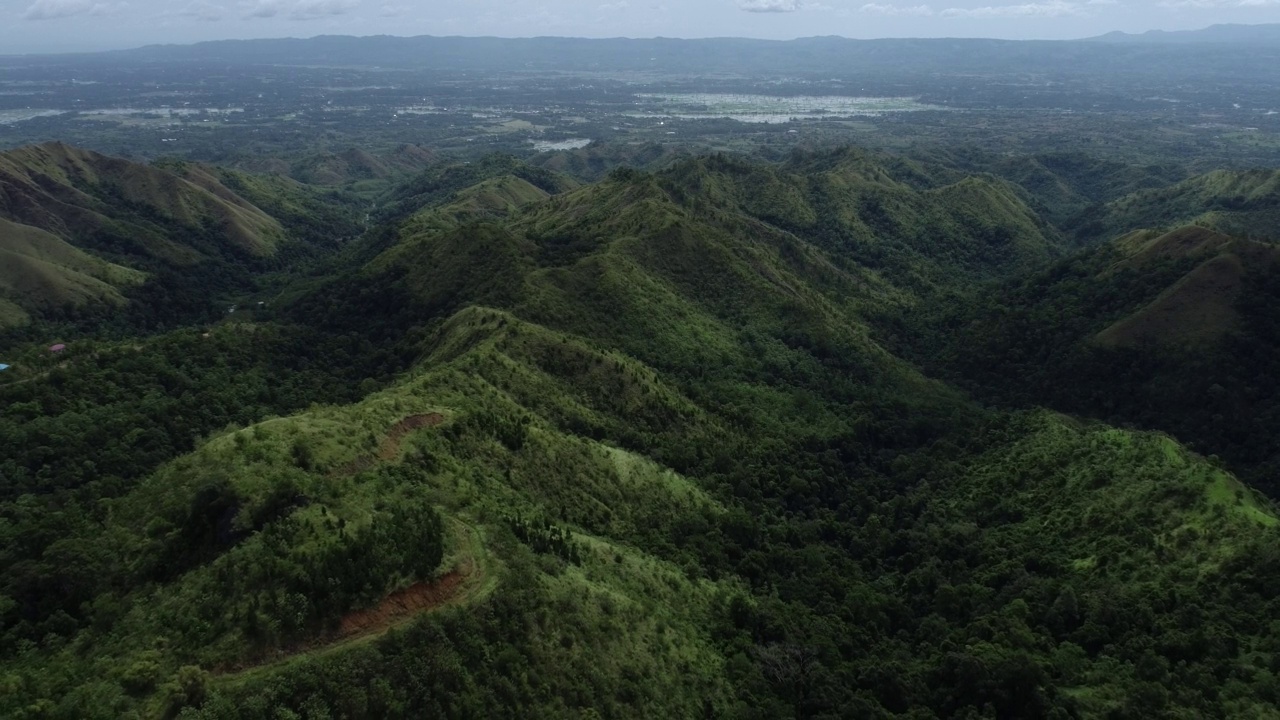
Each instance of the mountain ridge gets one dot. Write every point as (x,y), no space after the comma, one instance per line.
(1263,33)
(666,414)
(900,58)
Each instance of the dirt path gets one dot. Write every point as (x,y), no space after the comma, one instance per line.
(458,585)
(422,597)
(469,580)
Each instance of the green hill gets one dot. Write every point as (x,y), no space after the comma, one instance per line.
(1064,188)
(574,556)
(894,219)
(80,195)
(1168,330)
(83,232)
(1241,203)
(593,162)
(40,271)
(1201,306)
(648,455)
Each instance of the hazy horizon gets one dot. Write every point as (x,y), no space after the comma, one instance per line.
(53,26)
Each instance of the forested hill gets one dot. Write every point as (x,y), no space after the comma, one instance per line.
(1171,330)
(82,233)
(1243,203)
(638,448)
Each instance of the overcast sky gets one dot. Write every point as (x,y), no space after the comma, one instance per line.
(61,25)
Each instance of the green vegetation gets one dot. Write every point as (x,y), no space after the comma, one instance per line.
(650,447)
(1171,331)
(1246,204)
(40,271)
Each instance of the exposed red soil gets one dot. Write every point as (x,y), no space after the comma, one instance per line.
(418,598)
(401,605)
(390,447)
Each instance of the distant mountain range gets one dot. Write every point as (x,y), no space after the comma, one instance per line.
(1224,33)
(1153,53)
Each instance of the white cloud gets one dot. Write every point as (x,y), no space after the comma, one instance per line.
(895,10)
(1050,8)
(1216,4)
(265,8)
(770,6)
(310,9)
(54,9)
(390,10)
(203,10)
(300,9)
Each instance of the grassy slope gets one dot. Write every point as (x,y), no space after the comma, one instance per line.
(1200,308)
(199,232)
(40,270)
(1242,203)
(69,192)
(1169,330)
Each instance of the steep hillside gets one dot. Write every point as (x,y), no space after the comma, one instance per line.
(1169,330)
(1201,306)
(84,231)
(1059,186)
(85,197)
(40,271)
(874,217)
(891,218)
(1242,203)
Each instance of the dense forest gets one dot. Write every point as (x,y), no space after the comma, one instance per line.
(837,434)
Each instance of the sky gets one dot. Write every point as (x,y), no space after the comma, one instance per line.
(39,26)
